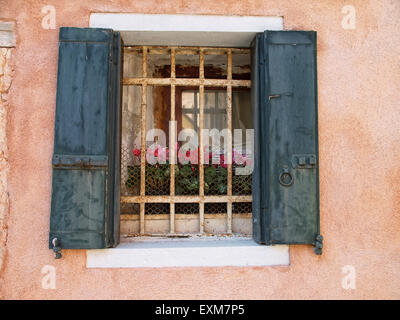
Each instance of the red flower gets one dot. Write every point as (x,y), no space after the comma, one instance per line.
(136,152)
(222,161)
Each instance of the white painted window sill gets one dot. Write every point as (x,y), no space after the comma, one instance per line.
(188,252)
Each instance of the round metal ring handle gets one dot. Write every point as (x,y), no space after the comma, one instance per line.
(282,180)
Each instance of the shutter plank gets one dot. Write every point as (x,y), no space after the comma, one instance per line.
(79,205)
(83,90)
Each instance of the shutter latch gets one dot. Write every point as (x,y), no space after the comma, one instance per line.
(275,96)
(56,248)
(304,161)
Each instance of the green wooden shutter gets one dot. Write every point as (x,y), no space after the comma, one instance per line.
(85,182)
(284,99)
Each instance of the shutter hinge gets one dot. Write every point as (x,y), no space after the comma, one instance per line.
(82,161)
(56,248)
(318,245)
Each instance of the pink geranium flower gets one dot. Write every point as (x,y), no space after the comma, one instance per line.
(222,161)
(162,154)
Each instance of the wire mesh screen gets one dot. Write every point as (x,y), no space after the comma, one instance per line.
(130,174)
(215,208)
(186,208)
(157,208)
(130,208)
(241,184)
(157,179)
(241,207)
(186,179)
(215,180)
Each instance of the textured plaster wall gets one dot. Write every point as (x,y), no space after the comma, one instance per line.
(359,129)
(6,44)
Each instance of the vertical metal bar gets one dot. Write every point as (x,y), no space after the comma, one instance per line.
(172,147)
(216,102)
(201,64)
(195,113)
(144,61)
(143,143)
(173,71)
(201,147)
(229,144)
(229,65)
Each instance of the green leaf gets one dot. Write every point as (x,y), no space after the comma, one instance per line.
(185,171)
(167,173)
(210,172)
(222,172)
(185,182)
(158,173)
(222,188)
(178,189)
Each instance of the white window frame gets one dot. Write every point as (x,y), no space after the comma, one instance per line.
(187,30)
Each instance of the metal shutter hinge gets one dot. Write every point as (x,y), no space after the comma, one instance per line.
(318,244)
(56,248)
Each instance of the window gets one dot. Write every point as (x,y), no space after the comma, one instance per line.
(86,180)
(194,197)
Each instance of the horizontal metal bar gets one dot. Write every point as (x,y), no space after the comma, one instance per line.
(178,235)
(186,82)
(182,216)
(185,199)
(206,110)
(186,50)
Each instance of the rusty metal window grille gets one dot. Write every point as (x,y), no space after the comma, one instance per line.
(143,192)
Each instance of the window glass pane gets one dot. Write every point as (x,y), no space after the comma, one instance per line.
(215,66)
(132,67)
(241,110)
(241,66)
(187,116)
(130,141)
(158,64)
(187,65)
(157,132)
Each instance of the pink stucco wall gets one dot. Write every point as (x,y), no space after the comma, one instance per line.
(359,130)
